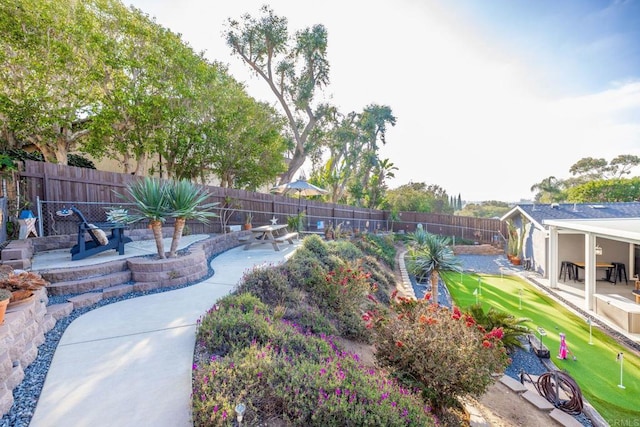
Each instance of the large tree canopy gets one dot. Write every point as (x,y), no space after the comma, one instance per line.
(98,77)
(294,66)
(592,180)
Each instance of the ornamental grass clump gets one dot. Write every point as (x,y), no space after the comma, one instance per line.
(442,352)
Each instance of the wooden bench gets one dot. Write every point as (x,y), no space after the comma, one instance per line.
(287,237)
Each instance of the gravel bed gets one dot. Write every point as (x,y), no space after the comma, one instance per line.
(26,394)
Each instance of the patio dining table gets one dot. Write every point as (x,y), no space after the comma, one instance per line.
(599,265)
(273,234)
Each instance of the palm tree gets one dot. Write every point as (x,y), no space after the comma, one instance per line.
(185,202)
(512,327)
(151,199)
(548,190)
(429,258)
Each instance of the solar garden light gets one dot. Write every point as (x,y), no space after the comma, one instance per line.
(240,408)
(479,286)
(590,335)
(475,292)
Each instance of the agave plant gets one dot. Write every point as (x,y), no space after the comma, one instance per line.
(430,258)
(186,202)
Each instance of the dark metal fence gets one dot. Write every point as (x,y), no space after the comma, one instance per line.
(52,187)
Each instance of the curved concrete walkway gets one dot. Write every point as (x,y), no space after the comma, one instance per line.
(129,363)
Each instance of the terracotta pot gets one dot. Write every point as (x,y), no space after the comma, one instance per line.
(3,309)
(20,298)
(515,260)
(247,226)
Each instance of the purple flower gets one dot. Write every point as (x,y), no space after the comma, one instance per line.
(215,409)
(224,415)
(195,366)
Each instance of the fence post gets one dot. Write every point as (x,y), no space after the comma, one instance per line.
(39,210)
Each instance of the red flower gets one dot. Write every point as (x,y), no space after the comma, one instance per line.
(487,344)
(399,344)
(427,296)
(456,313)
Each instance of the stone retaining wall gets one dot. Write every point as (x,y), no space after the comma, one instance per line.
(477,250)
(20,335)
(23,329)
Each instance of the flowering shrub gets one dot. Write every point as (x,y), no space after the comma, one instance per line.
(331,390)
(233,322)
(440,351)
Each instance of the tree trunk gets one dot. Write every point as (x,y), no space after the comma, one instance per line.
(434,286)
(156,226)
(295,164)
(177,235)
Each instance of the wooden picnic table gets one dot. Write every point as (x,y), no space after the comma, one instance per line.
(273,234)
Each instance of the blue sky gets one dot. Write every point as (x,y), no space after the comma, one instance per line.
(577,45)
(491,96)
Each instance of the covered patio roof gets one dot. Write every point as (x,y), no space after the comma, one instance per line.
(623,229)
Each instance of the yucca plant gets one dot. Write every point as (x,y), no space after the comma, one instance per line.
(151,199)
(430,258)
(186,202)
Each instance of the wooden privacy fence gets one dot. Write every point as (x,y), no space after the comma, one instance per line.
(52,187)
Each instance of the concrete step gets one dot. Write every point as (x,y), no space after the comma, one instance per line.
(85,300)
(89,284)
(83,272)
(58,311)
(116,291)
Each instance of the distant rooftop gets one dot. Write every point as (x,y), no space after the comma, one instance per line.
(616,210)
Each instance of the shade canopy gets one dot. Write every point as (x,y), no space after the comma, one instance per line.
(299,187)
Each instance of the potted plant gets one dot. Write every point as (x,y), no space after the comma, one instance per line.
(329,233)
(247,221)
(5,297)
(22,286)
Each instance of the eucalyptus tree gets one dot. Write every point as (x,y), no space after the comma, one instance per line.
(48,78)
(294,66)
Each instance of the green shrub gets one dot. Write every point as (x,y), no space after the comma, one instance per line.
(316,245)
(270,284)
(345,250)
(304,268)
(235,321)
(311,319)
(440,351)
(381,247)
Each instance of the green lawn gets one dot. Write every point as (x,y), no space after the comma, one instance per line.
(596,370)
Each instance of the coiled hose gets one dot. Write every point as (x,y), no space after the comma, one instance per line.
(549,386)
